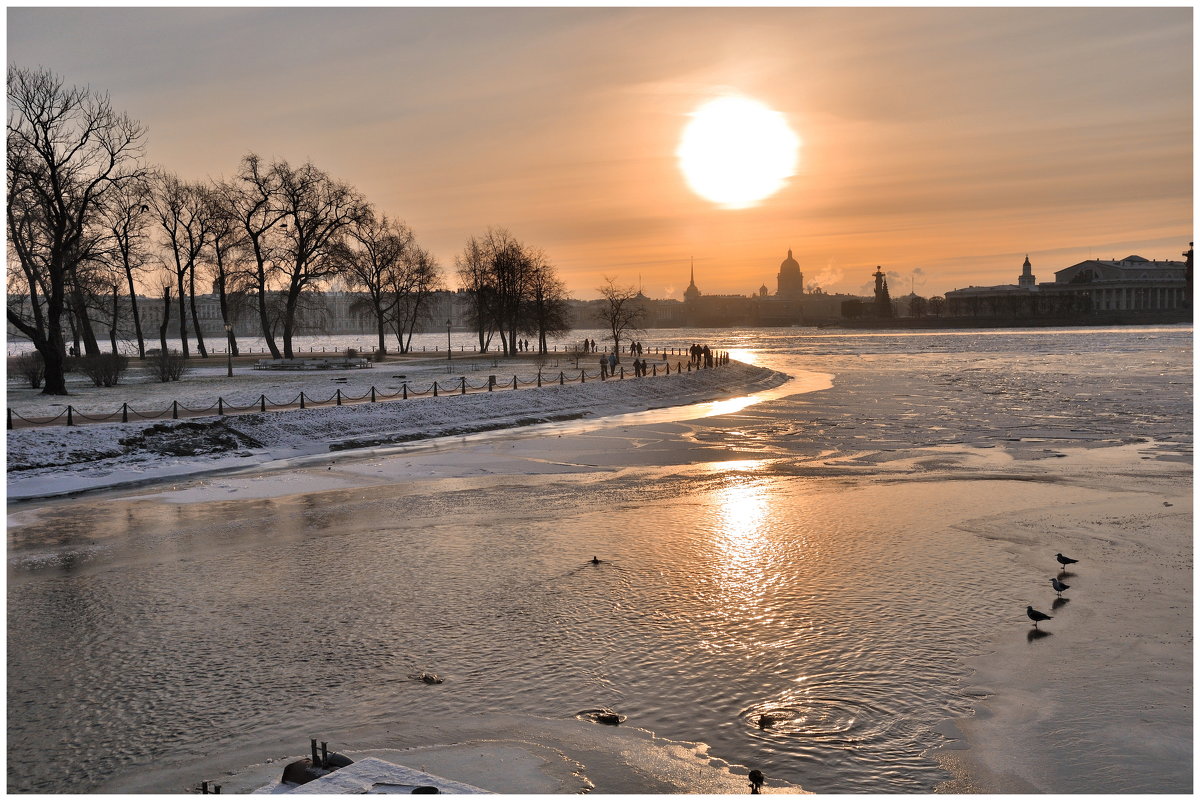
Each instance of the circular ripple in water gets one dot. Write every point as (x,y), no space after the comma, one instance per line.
(825,719)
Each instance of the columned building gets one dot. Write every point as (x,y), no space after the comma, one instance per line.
(1095,286)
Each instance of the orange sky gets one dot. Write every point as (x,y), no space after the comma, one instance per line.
(943,144)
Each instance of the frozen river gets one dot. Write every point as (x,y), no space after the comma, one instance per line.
(802,584)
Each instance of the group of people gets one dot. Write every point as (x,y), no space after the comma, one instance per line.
(589,346)
(608,366)
(701,355)
(523,345)
(635,348)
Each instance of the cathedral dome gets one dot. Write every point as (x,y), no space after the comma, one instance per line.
(789,264)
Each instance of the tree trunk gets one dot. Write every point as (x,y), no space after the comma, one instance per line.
(195,317)
(137,320)
(162,329)
(112,329)
(182,316)
(289,317)
(84,323)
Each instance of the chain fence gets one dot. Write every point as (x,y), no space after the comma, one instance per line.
(71,416)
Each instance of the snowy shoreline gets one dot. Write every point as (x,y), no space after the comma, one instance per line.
(51,462)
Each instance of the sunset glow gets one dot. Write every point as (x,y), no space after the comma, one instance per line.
(736,152)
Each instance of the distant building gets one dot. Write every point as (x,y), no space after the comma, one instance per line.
(790,281)
(1095,286)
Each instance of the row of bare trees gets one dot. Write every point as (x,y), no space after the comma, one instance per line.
(514,292)
(89,222)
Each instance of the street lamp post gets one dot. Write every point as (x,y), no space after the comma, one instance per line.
(448,354)
(229,350)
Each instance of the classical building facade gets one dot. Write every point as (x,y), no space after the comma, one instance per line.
(1096,286)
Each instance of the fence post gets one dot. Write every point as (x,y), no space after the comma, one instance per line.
(174,410)
(464,385)
(220,406)
(70,415)
(654,369)
(539,378)
(514,382)
(435,389)
(582,373)
(262,403)
(404,389)
(372,394)
(491,382)
(622,376)
(560,378)
(124,413)
(10,419)
(301,399)
(338,394)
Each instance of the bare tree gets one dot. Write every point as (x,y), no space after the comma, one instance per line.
(371,255)
(66,150)
(474,274)
(548,315)
(183,218)
(125,223)
(227,243)
(252,199)
(620,312)
(318,210)
(499,273)
(409,289)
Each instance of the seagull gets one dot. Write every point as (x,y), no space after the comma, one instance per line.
(1064,561)
(1036,616)
(1059,586)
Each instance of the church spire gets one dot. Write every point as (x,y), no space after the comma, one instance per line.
(692,292)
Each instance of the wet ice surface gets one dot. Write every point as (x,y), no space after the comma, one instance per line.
(800,585)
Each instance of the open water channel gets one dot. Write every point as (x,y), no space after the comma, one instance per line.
(797,585)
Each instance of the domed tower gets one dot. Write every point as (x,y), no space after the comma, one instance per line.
(791,280)
(763,291)
(1027,278)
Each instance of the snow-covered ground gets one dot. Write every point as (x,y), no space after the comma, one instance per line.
(57,460)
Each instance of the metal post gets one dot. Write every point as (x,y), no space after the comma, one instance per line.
(315,759)
(262,403)
(220,406)
(514,382)
(404,389)
(539,378)
(491,382)
(372,394)
(338,394)
(622,376)
(560,378)
(124,413)
(301,399)
(10,420)
(174,410)
(435,389)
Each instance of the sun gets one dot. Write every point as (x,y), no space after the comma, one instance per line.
(736,151)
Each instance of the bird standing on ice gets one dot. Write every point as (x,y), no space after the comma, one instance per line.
(1059,586)
(1064,561)
(1036,616)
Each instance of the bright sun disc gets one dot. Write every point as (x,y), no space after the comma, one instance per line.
(736,151)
